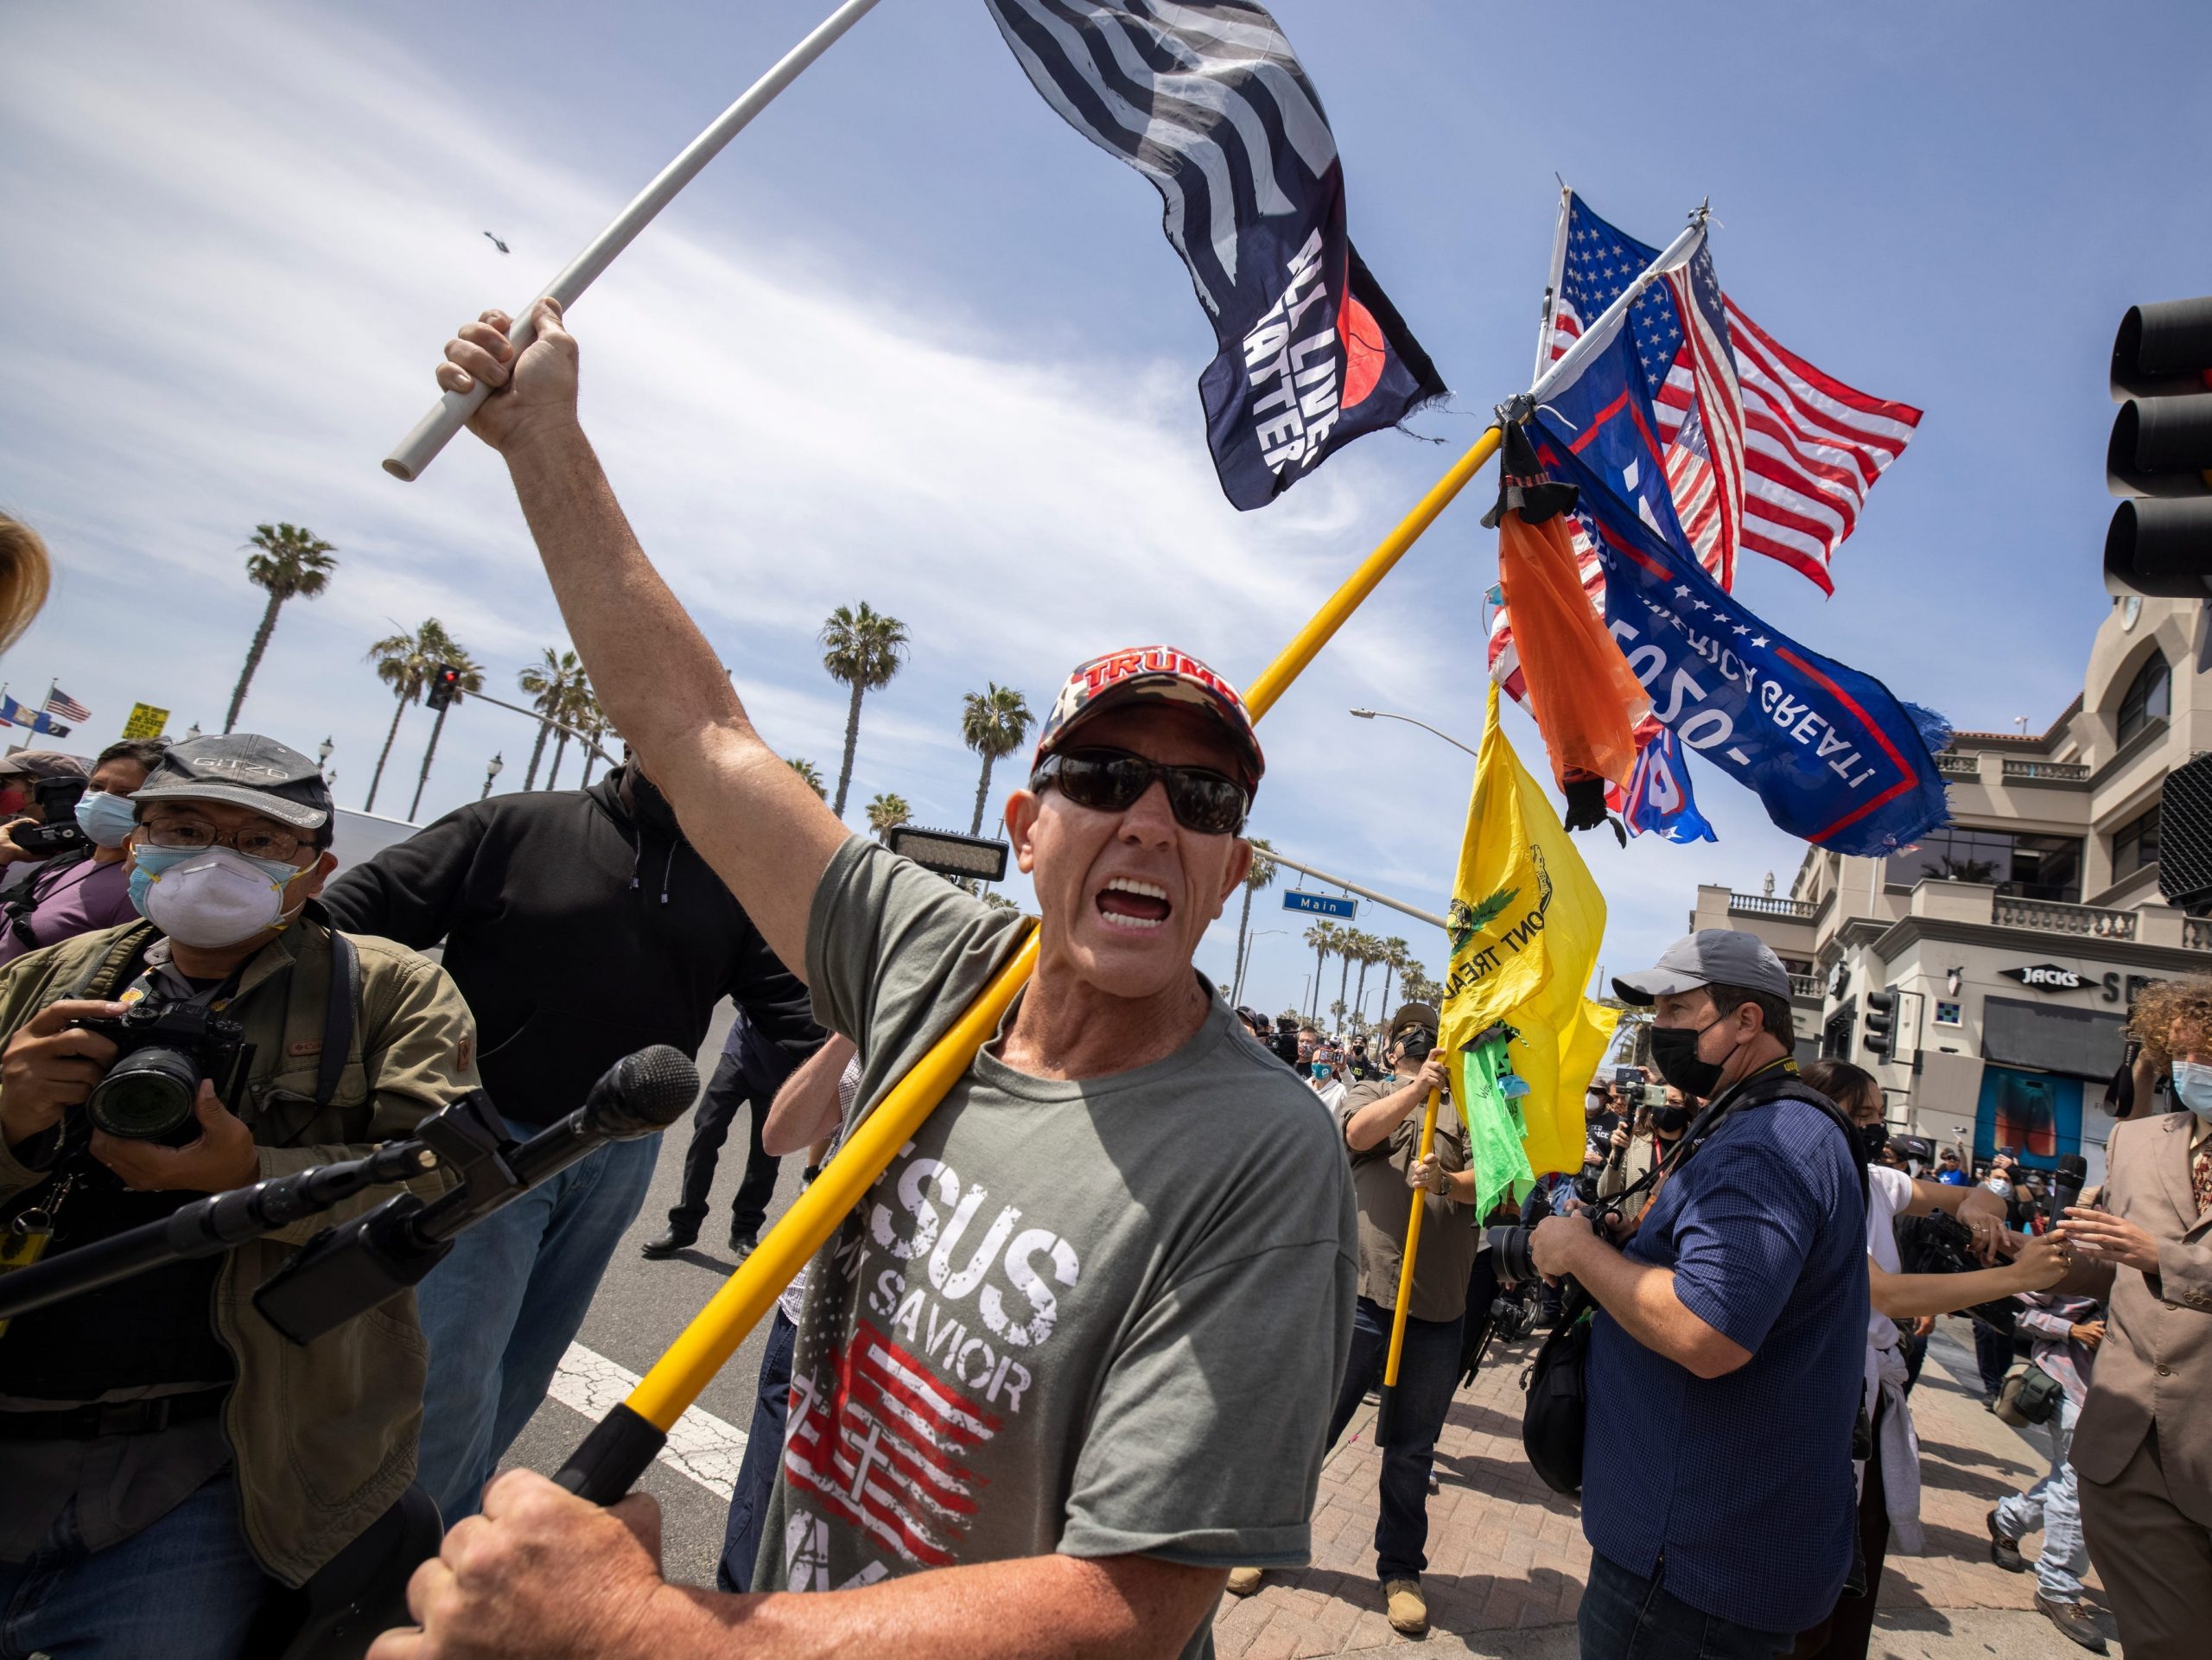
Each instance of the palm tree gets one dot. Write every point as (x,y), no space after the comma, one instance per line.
(998,901)
(404,663)
(591,721)
(578,708)
(885,813)
(548,685)
(289,562)
(993,723)
(1262,874)
(808,770)
(1347,947)
(1366,950)
(1324,938)
(863,649)
(1395,960)
(472,679)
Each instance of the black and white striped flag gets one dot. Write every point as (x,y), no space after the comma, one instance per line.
(1206,99)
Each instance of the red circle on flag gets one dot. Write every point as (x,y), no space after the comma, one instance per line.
(1367,354)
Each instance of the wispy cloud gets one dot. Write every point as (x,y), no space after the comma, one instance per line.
(240,233)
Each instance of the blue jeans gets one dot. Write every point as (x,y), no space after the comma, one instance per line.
(1428,1376)
(1627,1617)
(764,1455)
(2055,1505)
(502,1309)
(183,1588)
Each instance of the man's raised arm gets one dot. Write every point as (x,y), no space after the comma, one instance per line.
(765,833)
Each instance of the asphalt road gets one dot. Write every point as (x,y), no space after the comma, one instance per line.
(640,1308)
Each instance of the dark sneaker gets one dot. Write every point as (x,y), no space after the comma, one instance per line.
(2074,1620)
(667,1244)
(743,1244)
(2004,1549)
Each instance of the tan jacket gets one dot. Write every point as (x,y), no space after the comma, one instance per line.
(325,1435)
(1449,1238)
(2154,1368)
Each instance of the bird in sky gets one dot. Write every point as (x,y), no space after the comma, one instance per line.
(496,243)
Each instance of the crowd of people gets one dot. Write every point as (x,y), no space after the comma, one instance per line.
(1070,1370)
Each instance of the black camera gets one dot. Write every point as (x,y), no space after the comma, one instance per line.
(1943,1244)
(57,803)
(166,1046)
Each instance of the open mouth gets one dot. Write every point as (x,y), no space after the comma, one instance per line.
(1125,902)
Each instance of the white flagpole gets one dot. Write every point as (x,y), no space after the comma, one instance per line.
(418,447)
(1600,333)
(1552,286)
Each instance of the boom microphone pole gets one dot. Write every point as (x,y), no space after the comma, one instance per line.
(348,1271)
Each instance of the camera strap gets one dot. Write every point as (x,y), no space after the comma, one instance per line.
(338,1017)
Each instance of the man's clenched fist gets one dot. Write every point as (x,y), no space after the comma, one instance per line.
(540,1575)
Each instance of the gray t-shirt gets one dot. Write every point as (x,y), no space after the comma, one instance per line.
(1095,1318)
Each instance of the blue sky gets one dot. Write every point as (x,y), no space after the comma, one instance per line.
(913,341)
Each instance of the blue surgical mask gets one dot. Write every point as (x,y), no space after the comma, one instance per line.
(106,819)
(1321,1069)
(2193,1087)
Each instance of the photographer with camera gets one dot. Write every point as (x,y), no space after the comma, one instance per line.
(75,892)
(1736,1307)
(1889,1491)
(1380,1121)
(39,786)
(168,1459)
(1638,1146)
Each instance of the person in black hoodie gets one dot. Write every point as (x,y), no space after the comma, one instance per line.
(581,926)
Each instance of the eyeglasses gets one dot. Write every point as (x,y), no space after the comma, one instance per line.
(1113,780)
(191,835)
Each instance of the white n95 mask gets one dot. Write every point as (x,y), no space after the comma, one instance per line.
(210,897)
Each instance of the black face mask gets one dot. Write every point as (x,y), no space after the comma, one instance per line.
(1674,1051)
(1873,1138)
(1671,1120)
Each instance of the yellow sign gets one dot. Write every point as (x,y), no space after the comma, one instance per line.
(146,721)
(1525,924)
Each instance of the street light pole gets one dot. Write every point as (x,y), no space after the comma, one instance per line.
(1244,962)
(323,758)
(491,772)
(1385,715)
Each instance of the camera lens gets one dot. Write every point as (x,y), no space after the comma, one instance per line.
(146,1096)
(1510,1246)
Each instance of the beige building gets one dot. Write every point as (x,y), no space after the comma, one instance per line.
(2016,939)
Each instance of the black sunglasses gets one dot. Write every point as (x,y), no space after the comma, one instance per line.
(1112,780)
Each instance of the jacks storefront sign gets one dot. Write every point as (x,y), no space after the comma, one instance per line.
(2046,977)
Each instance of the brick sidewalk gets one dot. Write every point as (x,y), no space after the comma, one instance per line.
(1506,1554)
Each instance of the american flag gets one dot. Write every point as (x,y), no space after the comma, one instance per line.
(1804,447)
(58,701)
(882,1441)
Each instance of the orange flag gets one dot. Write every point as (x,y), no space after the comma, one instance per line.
(1585,696)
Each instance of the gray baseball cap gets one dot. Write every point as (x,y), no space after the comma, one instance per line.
(243,770)
(1716,957)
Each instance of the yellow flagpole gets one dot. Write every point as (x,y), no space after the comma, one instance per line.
(1406,1270)
(617,1451)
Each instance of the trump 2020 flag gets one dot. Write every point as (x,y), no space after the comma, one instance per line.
(1206,99)
(1658,801)
(1832,755)
(1524,923)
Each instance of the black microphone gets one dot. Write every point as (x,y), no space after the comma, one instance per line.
(348,1271)
(2066,1184)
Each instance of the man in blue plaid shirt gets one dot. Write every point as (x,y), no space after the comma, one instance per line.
(1733,1315)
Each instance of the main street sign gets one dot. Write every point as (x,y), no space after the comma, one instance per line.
(1320,905)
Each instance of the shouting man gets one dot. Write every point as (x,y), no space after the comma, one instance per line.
(1071,1359)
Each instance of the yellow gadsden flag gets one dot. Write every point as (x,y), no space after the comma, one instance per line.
(1525,924)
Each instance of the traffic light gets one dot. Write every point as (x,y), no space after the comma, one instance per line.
(445,681)
(2161,450)
(1881,1022)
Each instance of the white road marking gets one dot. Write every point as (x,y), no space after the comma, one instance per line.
(701,1445)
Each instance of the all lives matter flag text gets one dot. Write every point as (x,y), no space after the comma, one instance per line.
(1206,99)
